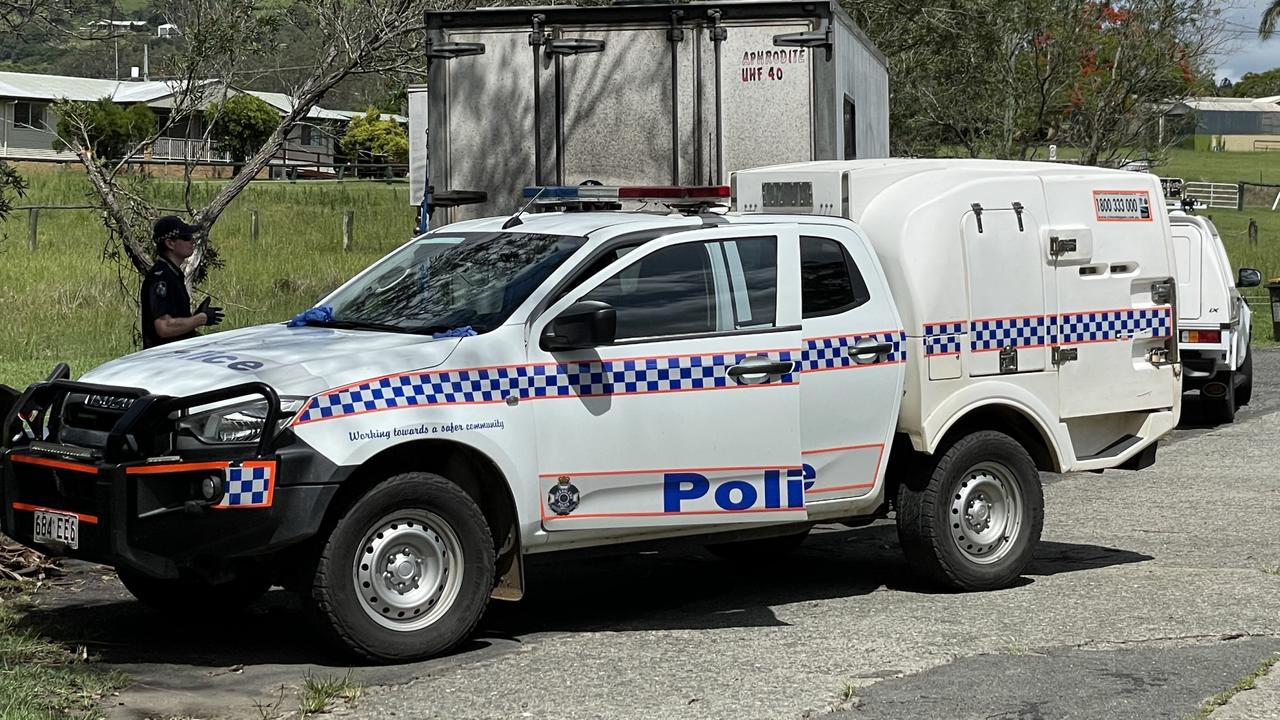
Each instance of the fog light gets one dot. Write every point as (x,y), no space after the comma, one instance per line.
(211,488)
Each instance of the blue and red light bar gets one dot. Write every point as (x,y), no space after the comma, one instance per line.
(638,193)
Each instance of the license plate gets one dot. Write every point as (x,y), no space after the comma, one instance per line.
(56,527)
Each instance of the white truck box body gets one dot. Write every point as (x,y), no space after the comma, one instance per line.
(607,116)
(964,295)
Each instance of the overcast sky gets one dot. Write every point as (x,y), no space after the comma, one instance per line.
(1249,54)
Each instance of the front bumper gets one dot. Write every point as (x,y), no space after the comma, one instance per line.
(140,504)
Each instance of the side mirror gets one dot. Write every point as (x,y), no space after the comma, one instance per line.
(584,324)
(1249,278)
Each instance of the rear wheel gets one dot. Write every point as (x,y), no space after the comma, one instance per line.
(973,521)
(190,597)
(769,548)
(1244,391)
(1219,399)
(407,572)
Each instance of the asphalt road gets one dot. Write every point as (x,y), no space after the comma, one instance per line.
(1150,592)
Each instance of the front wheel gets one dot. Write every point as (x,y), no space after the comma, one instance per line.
(407,572)
(973,522)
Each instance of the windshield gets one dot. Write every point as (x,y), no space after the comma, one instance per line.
(443,282)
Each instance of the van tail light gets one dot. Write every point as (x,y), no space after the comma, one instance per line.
(1202,337)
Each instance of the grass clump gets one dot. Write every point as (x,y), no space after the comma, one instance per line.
(319,694)
(1245,683)
(41,680)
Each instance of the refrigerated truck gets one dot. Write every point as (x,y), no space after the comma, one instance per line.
(636,94)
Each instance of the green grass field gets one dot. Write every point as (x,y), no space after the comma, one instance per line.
(63,302)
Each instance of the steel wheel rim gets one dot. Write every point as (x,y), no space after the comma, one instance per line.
(986,513)
(408,570)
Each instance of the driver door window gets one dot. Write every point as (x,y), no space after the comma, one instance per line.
(695,289)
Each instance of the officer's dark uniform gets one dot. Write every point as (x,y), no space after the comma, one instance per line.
(164,292)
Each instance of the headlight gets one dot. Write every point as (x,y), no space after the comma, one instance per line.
(239,423)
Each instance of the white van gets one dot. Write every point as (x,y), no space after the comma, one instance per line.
(861,338)
(1215,323)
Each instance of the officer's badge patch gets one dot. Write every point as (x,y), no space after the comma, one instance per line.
(161,289)
(563,498)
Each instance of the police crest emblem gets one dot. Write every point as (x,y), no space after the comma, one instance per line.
(563,498)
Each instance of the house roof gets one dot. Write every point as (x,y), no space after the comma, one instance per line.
(353,114)
(1218,104)
(284,104)
(29,86)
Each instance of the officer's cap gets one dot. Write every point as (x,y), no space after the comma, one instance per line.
(171,227)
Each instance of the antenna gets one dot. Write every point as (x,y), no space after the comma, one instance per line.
(515,219)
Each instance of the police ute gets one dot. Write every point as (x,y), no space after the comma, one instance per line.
(853,340)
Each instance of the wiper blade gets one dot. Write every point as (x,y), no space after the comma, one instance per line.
(361,325)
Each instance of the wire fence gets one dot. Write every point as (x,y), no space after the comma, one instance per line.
(33,213)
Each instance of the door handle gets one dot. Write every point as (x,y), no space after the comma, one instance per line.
(759,369)
(866,351)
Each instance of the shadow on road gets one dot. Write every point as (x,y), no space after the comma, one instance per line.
(670,586)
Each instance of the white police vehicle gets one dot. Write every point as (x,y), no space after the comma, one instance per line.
(1216,324)
(858,338)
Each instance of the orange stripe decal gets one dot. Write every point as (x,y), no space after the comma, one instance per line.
(91,519)
(58,464)
(174,468)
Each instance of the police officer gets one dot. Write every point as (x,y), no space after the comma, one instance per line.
(166,306)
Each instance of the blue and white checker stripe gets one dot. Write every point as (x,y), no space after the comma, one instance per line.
(833,353)
(1086,327)
(247,486)
(943,338)
(492,385)
(1022,332)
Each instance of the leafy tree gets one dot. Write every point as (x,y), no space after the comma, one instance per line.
(12,186)
(105,129)
(1002,78)
(1256,85)
(373,138)
(241,124)
(231,40)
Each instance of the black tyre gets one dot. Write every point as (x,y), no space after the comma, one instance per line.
(769,548)
(192,598)
(406,572)
(973,521)
(1221,409)
(1244,391)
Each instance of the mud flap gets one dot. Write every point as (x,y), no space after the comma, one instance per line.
(1144,459)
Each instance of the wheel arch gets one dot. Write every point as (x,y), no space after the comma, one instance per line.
(1009,419)
(465,466)
(1003,417)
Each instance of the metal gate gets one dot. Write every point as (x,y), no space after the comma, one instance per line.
(1214,195)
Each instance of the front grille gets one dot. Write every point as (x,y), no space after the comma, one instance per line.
(80,415)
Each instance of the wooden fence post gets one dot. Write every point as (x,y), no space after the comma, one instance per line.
(253,226)
(348,219)
(33,220)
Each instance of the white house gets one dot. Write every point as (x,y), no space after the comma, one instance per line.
(28,120)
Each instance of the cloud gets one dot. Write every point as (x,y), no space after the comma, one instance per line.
(1249,53)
